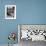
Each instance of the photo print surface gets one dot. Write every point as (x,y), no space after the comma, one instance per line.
(10,11)
(32,32)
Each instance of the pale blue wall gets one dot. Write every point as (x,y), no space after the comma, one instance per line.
(27,12)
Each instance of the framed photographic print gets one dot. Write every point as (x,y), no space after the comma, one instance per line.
(10,11)
(33,32)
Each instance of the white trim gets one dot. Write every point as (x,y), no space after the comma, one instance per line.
(18,33)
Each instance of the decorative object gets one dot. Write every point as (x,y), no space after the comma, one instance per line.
(11,37)
(10,11)
(32,32)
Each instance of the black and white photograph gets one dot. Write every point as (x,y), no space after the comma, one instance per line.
(10,11)
(29,35)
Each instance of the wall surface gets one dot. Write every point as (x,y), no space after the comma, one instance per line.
(27,12)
